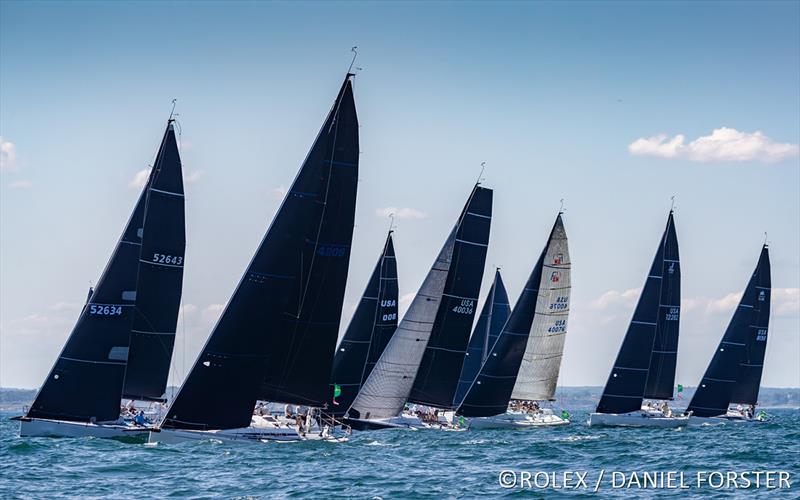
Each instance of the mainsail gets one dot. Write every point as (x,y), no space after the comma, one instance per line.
(275,338)
(373,324)
(158,291)
(541,310)
(646,361)
(734,374)
(86,382)
(437,306)
(541,363)
(493,317)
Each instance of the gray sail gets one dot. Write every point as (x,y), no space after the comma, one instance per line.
(541,363)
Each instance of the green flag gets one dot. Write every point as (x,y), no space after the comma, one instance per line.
(565,414)
(337,390)
(680,388)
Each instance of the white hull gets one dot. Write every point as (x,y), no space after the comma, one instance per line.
(36,427)
(517,420)
(636,419)
(403,421)
(261,430)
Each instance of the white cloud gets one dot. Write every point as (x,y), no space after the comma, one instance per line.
(140,179)
(786,301)
(8,156)
(403,303)
(724,144)
(212,313)
(192,176)
(22,184)
(614,298)
(401,213)
(279,192)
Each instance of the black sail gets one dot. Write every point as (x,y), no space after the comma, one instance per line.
(372,326)
(637,361)
(438,374)
(494,314)
(491,388)
(86,381)
(160,278)
(275,339)
(736,365)
(748,381)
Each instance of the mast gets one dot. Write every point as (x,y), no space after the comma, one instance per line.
(734,373)
(538,308)
(634,371)
(386,390)
(496,311)
(160,277)
(86,381)
(372,326)
(275,337)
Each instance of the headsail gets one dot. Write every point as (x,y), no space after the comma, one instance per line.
(658,307)
(541,363)
(494,315)
(87,379)
(373,324)
(387,389)
(540,310)
(275,339)
(160,279)
(734,374)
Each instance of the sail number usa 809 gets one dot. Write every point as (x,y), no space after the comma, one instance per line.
(105,310)
(467,306)
(161,258)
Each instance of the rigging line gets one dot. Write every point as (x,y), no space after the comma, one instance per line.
(480,176)
(561,208)
(354,50)
(172,113)
(672,205)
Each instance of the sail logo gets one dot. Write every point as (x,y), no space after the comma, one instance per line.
(671,268)
(761,335)
(762,296)
(331,250)
(555,277)
(558,259)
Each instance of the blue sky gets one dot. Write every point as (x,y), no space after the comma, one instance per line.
(552,96)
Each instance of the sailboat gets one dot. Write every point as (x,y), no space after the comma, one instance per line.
(494,315)
(276,337)
(121,346)
(645,365)
(524,362)
(423,360)
(734,374)
(372,326)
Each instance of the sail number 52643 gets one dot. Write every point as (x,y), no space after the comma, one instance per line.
(168,259)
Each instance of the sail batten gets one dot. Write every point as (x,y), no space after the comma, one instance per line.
(386,390)
(275,338)
(734,373)
(639,370)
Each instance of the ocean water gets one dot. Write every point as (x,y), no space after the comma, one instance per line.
(405,464)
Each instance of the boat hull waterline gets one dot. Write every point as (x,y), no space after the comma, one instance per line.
(517,420)
(39,427)
(636,419)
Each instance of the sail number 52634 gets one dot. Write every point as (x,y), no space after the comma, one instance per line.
(101,310)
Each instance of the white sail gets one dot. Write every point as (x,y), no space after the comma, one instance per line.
(538,373)
(387,388)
